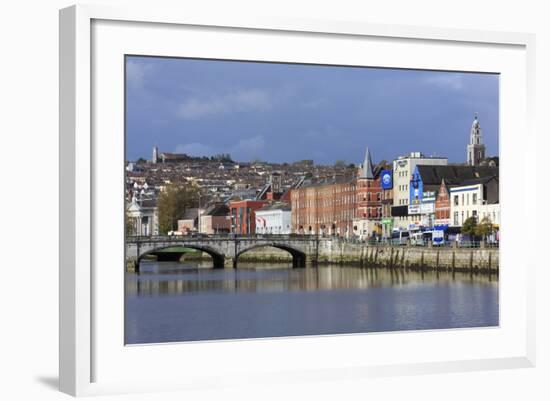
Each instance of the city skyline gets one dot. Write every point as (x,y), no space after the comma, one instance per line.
(288,112)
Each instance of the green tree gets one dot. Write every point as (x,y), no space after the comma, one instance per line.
(484,228)
(469,226)
(172,204)
(129,224)
(340,163)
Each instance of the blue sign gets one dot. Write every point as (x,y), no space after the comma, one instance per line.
(386,179)
(416,188)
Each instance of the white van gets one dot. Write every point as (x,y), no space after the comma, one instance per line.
(417,238)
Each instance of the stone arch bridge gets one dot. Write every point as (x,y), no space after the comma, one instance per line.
(306,250)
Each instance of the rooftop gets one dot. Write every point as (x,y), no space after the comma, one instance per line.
(455,174)
(276,206)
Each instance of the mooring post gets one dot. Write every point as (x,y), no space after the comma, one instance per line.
(235,251)
(317,248)
(136,264)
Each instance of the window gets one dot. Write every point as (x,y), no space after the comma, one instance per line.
(474,199)
(456,200)
(467,199)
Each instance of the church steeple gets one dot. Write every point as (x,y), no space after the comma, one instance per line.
(476,148)
(367,170)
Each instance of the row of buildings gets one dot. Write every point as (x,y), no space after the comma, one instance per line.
(412,192)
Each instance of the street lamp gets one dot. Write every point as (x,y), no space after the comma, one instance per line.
(199,213)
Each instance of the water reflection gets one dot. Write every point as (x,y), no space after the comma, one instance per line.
(172,278)
(175,302)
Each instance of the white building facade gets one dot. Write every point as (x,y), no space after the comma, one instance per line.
(469,201)
(143,216)
(274,220)
(403,168)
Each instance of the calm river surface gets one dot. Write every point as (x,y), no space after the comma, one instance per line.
(184,302)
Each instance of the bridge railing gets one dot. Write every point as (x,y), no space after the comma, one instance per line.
(179,238)
(302,237)
(446,244)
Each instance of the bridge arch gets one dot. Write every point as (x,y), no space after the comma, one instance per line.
(218,259)
(298,256)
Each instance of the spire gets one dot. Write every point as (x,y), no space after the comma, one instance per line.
(475,133)
(367,170)
(475,123)
(476,148)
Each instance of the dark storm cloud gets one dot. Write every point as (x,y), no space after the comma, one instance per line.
(286,112)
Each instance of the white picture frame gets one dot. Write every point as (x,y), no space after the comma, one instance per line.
(93,359)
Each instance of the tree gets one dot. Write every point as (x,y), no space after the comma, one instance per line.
(141,160)
(172,204)
(484,228)
(340,163)
(223,157)
(130,226)
(469,226)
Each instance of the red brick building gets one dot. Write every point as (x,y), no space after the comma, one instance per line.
(368,200)
(344,207)
(324,207)
(442,205)
(243,217)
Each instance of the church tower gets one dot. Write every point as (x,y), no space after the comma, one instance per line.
(476,148)
(155,155)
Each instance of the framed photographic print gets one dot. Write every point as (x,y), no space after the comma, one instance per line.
(245,190)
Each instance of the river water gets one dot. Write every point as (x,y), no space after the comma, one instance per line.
(187,302)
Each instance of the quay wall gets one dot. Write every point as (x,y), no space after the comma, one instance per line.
(412,257)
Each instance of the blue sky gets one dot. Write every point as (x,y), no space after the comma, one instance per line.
(289,112)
